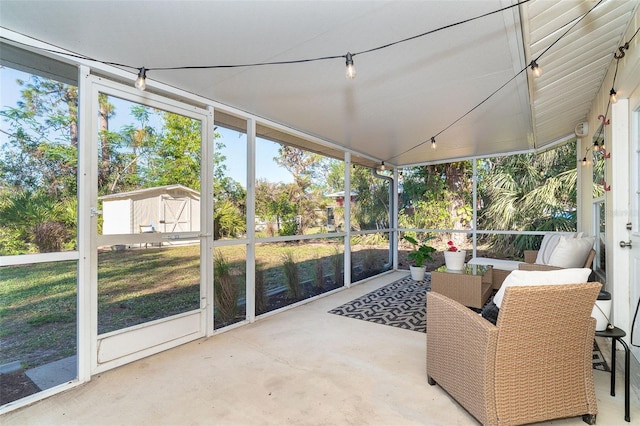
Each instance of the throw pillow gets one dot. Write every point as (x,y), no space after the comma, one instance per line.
(549,243)
(560,276)
(571,252)
(490,312)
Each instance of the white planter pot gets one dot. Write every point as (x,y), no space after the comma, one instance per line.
(455,259)
(417,272)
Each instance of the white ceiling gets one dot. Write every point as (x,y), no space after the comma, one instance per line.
(402,95)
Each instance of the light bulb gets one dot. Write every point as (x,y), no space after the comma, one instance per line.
(351,69)
(535,69)
(584,161)
(596,147)
(382,166)
(141,81)
(433,142)
(613,96)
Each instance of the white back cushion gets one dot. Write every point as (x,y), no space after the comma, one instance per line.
(548,244)
(571,252)
(560,276)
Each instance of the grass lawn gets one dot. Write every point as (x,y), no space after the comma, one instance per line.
(38,301)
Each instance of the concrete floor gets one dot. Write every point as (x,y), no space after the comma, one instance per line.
(299,367)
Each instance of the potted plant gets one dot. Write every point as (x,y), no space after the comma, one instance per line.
(454,258)
(418,256)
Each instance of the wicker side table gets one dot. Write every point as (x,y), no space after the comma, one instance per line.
(471,286)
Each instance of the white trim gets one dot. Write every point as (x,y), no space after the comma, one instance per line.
(207,148)
(617,213)
(85,220)
(23,259)
(347,221)
(251,221)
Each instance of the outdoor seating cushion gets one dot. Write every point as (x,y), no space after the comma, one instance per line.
(560,276)
(505,265)
(571,252)
(549,243)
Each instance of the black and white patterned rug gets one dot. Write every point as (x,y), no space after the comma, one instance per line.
(403,304)
(399,304)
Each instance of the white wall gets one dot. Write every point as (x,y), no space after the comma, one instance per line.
(117,217)
(618,135)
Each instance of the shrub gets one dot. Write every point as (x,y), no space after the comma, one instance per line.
(224,289)
(336,262)
(292,275)
(262,300)
(49,236)
(318,282)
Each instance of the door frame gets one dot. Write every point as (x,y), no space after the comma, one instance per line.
(120,347)
(634,234)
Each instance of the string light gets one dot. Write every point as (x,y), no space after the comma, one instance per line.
(141,81)
(351,69)
(584,159)
(613,96)
(596,147)
(535,69)
(382,166)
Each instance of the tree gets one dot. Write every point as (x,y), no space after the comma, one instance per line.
(528,192)
(306,193)
(41,152)
(38,168)
(437,197)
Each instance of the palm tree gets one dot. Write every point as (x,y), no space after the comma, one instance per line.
(528,192)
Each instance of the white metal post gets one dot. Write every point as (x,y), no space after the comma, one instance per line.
(206,211)
(347,219)
(251,221)
(85,180)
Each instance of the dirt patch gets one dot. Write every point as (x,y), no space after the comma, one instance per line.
(16,385)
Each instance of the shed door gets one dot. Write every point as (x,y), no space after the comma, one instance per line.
(149,289)
(175,214)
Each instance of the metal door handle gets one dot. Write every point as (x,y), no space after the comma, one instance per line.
(624,244)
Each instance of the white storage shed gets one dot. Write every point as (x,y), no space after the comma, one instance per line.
(170,208)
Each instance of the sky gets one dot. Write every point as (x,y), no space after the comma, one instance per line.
(236,161)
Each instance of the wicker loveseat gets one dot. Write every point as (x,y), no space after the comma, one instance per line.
(557,250)
(534,365)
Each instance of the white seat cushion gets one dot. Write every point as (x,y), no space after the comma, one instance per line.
(505,265)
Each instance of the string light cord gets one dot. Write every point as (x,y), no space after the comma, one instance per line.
(288,62)
(568,30)
(384,46)
(501,87)
(617,57)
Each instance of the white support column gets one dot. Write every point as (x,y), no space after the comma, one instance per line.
(206,211)
(347,219)
(251,221)
(474,181)
(85,246)
(393,215)
(617,214)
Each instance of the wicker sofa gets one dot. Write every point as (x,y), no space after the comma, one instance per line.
(534,365)
(539,260)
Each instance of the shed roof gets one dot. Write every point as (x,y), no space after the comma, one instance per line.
(149,192)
